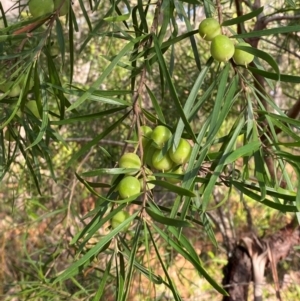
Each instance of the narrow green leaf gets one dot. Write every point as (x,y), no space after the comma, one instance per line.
(87,186)
(143,16)
(105,73)
(245,150)
(88,117)
(97,28)
(227,102)
(283,118)
(108,171)
(117,18)
(174,188)
(72,21)
(219,98)
(267,32)
(172,89)
(86,15)
(94,224)
(274,76)
(297,203)
(35,172)
(156,105)
(196,2)
(243,18)
(90,144)
(167,12)
(171,285)
(185,243)
(202,99)
(236,130)
(74,268)
(256,197)
(260,173)
(279,193)
(188,257)
(208,228)
(147,273)
(60,39)
(120,269)
(189,105)
(103,282)
(167,220)
(133,254)
(182,10)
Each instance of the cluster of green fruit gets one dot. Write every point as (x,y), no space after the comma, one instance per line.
(222,48)
(170,161)
(38,8)
(156,157)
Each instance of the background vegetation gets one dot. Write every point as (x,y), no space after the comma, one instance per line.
(101,72)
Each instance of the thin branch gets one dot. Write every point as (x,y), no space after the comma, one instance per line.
(239,12)
(274,272)
(87,139)
(281,47)
(294,110)
(219,9)
(280,18)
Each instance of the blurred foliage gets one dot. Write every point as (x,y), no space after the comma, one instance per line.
(98,74)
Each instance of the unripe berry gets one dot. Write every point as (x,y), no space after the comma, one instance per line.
(222,48)
(209,28)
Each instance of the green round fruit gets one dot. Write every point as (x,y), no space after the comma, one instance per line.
(146,132)
(14,90)
(129,186)
(119,218)
(177,171)
(209,28)
(182,153)
(39,8)
(160,136)
(64,8)
(32,106)
(161,163)
(149,186)
(130,160)
(242,57)
(222,48)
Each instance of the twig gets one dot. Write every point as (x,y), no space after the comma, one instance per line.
(274,272)
(281,47)
(239,12)
(86,139)
(280,18)
(219,9)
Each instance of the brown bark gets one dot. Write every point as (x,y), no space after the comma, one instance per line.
(237,275)
(252,256)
